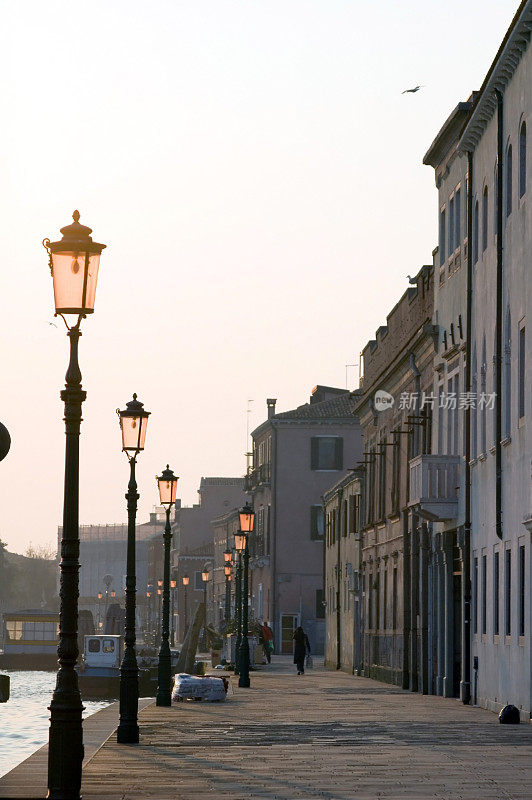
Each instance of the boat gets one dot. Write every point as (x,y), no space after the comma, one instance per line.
(99,671)
(29,640)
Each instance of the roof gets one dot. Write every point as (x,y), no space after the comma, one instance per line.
(221,482)
(499,75)
(448,133)
(340,407)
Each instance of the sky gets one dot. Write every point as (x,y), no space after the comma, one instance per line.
(257,176)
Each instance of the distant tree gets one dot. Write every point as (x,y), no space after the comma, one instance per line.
(46,551)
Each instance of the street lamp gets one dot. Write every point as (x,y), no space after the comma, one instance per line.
(73,262)
(133,424)
(205,579)
(186,581)
(247,519)
(173,585)
(167,483)
(227,571)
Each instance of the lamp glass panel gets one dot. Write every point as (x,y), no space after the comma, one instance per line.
(133,432)
(227,555)
(205,576)
(167,491)
(186,580)
(246,521)
(70,284)
(227,570)
(240,542)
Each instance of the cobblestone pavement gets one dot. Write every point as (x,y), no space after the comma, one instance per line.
(322,735)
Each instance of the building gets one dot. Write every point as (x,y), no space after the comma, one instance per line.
(443,503)
(496,143)
(102,557)
(193,545)
(224,529)
(296,455)
(395,412)
(343,557)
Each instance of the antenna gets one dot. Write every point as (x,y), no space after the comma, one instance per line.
(347,366)
(248,453)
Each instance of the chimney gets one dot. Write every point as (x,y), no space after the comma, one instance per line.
(270,402)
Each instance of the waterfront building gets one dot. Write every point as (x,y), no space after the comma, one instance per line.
(395,411)
(224,528)
(343,586)
(496,143)
(193,544)
(296,456)
(438,480)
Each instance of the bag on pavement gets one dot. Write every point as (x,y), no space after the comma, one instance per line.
(309,663)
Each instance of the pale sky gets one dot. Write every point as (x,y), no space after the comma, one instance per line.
(257,176)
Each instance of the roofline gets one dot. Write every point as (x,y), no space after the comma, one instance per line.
(351,477)
(501,71)
(433,155)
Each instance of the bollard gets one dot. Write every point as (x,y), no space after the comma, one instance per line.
(509,715)
(5,681)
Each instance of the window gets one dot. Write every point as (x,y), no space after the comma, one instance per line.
(508,592)
(14,629)
(345,520)
(522,590)
(108,646)
(496,594)
(94,645)
(475,596)
(381,498)
(522,160)
(451,226)
(509,169)
(377,600)
(521,384)
(394,598)
(198,582)
(483,413)
(385,599)
(474,389)
(353,513)
(508,375)
(326,452)
(457,233)
(485,219)
(475,233)
(320,605)
(396,471)
(484,598)
(317,522)
(442,237)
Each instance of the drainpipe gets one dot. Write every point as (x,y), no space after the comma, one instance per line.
(276,624)
(465,689)
(498,322)
(339,584)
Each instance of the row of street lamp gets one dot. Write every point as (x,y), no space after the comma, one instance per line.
(74,263)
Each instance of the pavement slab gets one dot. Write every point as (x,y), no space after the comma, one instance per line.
(323,735)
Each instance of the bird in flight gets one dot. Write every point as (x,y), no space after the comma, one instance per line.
(413,91)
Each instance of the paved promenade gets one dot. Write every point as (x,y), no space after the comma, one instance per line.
(321,735)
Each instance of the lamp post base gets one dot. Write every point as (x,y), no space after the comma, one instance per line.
(164,688)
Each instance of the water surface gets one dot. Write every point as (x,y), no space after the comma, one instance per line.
(25,719)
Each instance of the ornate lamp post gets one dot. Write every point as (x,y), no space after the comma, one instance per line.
(173,585)
(74,263)
(238,607)
(100,595)
(205,579)
(247,518)
(133,424)
(186,581)
(227,572)
(167,483)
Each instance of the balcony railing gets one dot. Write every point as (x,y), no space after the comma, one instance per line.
(434,484)
(256,477)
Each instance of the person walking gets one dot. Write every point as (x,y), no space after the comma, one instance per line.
(301,649)
(267,641)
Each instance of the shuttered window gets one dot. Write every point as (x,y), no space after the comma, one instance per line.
(326,452)
(317,522)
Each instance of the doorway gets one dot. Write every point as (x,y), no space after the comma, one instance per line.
(289,623)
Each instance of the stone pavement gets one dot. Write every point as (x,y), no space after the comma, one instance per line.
(322,735)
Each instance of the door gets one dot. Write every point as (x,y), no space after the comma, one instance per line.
(289,623)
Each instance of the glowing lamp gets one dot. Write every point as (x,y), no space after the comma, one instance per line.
(167,483)
(133,424)
(74,263)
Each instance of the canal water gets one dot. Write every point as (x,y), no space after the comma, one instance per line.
(25,719)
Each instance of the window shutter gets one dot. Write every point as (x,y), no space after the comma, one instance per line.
(339,453)
(314,452)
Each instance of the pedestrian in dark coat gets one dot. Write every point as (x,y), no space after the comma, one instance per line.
(301,649)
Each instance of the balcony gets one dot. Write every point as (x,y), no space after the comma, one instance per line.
(434,483)
(256,477)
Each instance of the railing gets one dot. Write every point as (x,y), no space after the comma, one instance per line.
(257,476)
(434,484)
